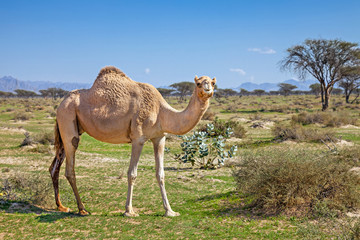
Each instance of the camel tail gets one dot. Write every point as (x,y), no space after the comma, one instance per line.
(59,146)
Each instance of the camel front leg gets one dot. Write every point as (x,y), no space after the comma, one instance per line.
(159,145)
(132,173)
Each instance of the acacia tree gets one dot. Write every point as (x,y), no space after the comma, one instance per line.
(322,59)
(25,93)
(350,82)
(286,88)
(258,92)
(165,92)
(183,88)
(315,88)
(53,93)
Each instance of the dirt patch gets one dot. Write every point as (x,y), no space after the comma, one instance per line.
(13,130)
(350,126)
(344,143)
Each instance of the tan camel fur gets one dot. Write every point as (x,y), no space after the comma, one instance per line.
(117,109)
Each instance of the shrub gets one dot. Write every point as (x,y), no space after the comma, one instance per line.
(221,126)
(45,138)
(31,188)
(209,115)
(299,133)
(329,119)
(205,149)
(21,116)
(297,182)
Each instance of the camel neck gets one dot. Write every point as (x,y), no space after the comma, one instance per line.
(181,122)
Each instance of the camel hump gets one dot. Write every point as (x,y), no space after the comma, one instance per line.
(111,69)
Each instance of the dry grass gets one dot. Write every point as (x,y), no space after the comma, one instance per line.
(297,182)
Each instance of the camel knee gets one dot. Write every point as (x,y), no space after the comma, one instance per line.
(132,177)
(160,178)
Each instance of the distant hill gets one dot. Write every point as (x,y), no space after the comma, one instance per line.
(301,85)
(9,84)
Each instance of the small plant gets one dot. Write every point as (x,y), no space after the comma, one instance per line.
(206,149)
(21,116)
(329,119)
(209,115)
(41,141)
(298,133)
(221,127)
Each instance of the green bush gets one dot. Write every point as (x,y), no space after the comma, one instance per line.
(298,133)
(297,182)
(205,149)
(221,126)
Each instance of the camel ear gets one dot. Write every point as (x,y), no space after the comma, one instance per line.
(196,78)
(214,79)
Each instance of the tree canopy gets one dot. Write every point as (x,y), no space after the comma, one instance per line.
(183,88)
(286,88)
(322,59)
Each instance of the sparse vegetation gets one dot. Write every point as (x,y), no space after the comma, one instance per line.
(299,133)
(329,119)
(297,182)
(21,116)
(209,203)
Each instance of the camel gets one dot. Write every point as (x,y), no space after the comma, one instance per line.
(118,110)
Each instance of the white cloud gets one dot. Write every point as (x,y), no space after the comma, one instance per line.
(147,70)
(238,70)
(262,51)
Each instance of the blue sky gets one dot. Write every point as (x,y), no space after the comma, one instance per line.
(162,42)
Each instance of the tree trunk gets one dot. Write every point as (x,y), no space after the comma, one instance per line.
(325,100)
(347,96)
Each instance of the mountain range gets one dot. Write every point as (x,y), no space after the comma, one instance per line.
(9,84)
(301,85)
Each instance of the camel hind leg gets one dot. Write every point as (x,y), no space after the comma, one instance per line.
(70,137)
(54,172)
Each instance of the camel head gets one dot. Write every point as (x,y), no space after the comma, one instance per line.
(204,87)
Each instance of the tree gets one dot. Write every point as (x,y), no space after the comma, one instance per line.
(53,93)
(25,93)
(183,88)
(244,92)
(259,92)
(225,92)
(286,88)
(165,92)
(351,82)
(322,59)
(6,94)
(315,88)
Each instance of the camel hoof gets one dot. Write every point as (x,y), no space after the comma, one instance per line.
(171,214)
(84,212)
(131,214)
(63,209)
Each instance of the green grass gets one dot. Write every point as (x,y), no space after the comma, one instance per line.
(206,200)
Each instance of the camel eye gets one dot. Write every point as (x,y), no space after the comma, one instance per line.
(198,84)
(213,83)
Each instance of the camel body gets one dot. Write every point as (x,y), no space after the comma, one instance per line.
(117,110)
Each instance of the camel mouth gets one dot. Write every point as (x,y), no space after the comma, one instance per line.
(208,91)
